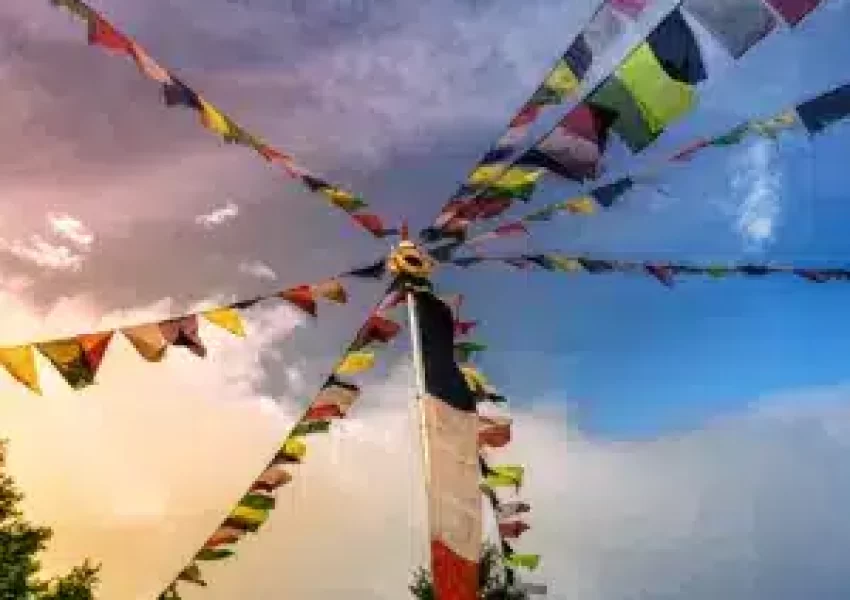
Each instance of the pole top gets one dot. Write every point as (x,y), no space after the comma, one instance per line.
(407,259)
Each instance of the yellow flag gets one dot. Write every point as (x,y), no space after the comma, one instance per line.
(226,318)
(562,81)
(253,517)
(581,206)
(344,200)
(660,98)
(294,448)
(356,362)
(474,379)
(147,340)
(19,361)
(332,290)
(565,263)
(215,121)
(509,178)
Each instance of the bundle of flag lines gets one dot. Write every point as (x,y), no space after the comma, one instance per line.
(653,87)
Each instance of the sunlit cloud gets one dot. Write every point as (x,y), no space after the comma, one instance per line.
(217,217)
(71,229)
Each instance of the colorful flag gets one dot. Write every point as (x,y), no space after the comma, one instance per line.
(606,195)
(302,297)
(660,98)
(452,430)
(70,359)
(737,24)
(676,48)
(575,147)
(183,331)
(19,362)
(355,362)
(602,30)
(148,341)
(821,112)
(226,318)
(793,11)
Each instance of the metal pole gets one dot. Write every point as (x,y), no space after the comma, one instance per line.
(419,372)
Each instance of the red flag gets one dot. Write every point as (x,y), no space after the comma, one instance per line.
(103,34)
(512,529)
(372,223)
(464,327)
(302,297)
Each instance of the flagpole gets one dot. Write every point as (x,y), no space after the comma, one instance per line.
(419,373)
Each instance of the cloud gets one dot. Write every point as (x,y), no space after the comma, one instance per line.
(258,269)
(44,254)
(71,229)
(217,217)
(757,181)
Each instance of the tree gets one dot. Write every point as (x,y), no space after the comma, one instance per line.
(20,544)
(492,584)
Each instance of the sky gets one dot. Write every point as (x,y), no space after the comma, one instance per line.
(680,443)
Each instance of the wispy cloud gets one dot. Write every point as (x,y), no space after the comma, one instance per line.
(45,254)
(219,216)
(258,269)
(757,181)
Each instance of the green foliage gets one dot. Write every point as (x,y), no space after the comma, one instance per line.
(20,544)
(492,584)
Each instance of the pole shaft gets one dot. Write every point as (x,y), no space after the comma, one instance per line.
(419,372)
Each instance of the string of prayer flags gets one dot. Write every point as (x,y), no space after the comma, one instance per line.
(793,11)
(333,401)
(78,358)
(665,273)
(176,93)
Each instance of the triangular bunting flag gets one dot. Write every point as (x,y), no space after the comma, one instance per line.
(302,297)
(19,362)
(332,290)
(69,358)
(183,331)
(148,341)
(226,318)
(356,362)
